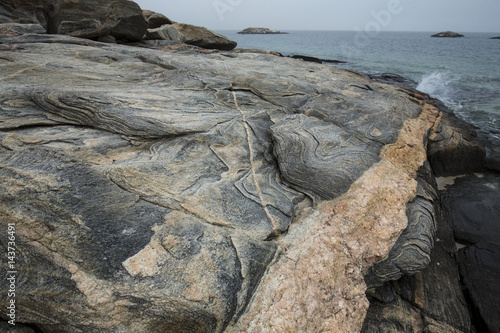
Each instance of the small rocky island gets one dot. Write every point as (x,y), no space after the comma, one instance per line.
(448,34)
(261,31)
(495,37)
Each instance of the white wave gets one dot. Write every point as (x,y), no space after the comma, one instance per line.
(438,85)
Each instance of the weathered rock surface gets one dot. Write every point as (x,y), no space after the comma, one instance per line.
(151,190)
(17,29)
(155,20)
(122,19)
(260,31)
(412,251)
(473,210)
(448,34)
(202,37)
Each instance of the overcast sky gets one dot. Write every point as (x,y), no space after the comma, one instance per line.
(391,15)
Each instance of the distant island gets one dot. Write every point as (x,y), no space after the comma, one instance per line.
(495,37)
(261,31)
(448,34)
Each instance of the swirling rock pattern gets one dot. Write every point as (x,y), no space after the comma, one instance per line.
(151,190)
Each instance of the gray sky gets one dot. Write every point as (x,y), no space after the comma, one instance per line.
(390,15)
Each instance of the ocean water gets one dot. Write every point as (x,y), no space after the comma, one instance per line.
(462,72)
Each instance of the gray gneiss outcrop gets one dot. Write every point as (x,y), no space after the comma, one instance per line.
(176,189)
(448,34)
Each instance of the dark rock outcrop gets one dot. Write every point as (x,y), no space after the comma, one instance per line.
(448,34)
(455,148)
(317,60)
(473,209)
(122,19)
(260,31)
(495,37)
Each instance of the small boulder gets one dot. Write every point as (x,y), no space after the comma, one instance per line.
(202,37)
(155,20)
(448,34)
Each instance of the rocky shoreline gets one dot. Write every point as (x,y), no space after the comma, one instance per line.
(173,184)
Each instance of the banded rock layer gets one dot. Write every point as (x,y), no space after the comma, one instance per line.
(153,191)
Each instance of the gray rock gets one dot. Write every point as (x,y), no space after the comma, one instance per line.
(202,37)
(122,19)
(149,189)
(260,31)
(455,149)
(17,29)
(473,209)
(448,34)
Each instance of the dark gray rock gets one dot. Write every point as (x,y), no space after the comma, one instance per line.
(320,159)
(480,270)
(455,149)
(122,19)
(260,31)
(473,208)
(448,34)
(17,29)
(495,37)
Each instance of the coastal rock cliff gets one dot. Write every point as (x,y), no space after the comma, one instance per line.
(175,189)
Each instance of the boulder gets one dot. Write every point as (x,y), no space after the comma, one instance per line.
(202,37)
(448,34)
(260,31)
(122,19)
(191,191)
(155,20)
